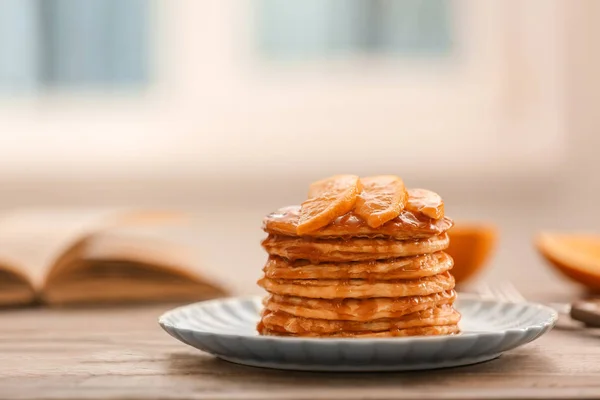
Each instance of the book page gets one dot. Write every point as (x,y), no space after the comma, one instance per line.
(137,260)
(165,246)
(33,239)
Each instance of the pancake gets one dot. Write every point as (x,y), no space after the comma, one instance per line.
(356,309)
(282,322)
(358,288)
(395,268)
(422,331)
(408,225)
(362,258)
(347,250)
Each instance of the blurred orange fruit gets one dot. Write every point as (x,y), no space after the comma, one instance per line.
(470,246)
(328,199)
(381,200)
(576,256)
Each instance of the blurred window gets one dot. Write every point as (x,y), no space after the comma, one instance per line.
(73,43)
(321,28)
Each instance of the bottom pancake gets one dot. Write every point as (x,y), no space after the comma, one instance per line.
(356,309)
(424,331)
(285,323)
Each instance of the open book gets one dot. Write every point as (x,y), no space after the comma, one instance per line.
(98,256)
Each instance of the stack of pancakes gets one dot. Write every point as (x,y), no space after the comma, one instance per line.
(358,274)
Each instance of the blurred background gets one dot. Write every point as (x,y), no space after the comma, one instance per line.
(231,108)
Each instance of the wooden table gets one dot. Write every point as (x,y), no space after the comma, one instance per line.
(121,353)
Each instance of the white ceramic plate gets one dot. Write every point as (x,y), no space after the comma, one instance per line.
(226,328)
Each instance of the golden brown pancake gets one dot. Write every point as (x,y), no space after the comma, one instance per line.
(358,288)
(422,331)
(394,268)
(348,250)
(282,322)
(407,225)
(356,309)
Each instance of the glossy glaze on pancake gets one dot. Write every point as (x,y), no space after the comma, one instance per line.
(407,225)
(394,268)
(353,249)
(356,309)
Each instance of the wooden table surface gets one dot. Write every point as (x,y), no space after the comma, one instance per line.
(121,353)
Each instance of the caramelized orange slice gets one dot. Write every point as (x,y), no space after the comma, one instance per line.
(382,199)
(425,202)
(576,256)
(328,199)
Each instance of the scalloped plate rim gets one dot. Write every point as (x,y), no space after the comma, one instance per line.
(344,354)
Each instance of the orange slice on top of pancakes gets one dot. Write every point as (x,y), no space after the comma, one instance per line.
(425,202)
(382,199)
(328,199)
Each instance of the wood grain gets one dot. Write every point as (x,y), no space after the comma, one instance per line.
(123,354)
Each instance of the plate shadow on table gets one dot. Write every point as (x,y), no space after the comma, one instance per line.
(515,363)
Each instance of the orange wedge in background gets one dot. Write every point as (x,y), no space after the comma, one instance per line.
(576,256)
(328,199)
(381,200)
(470,246)
(425,202)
